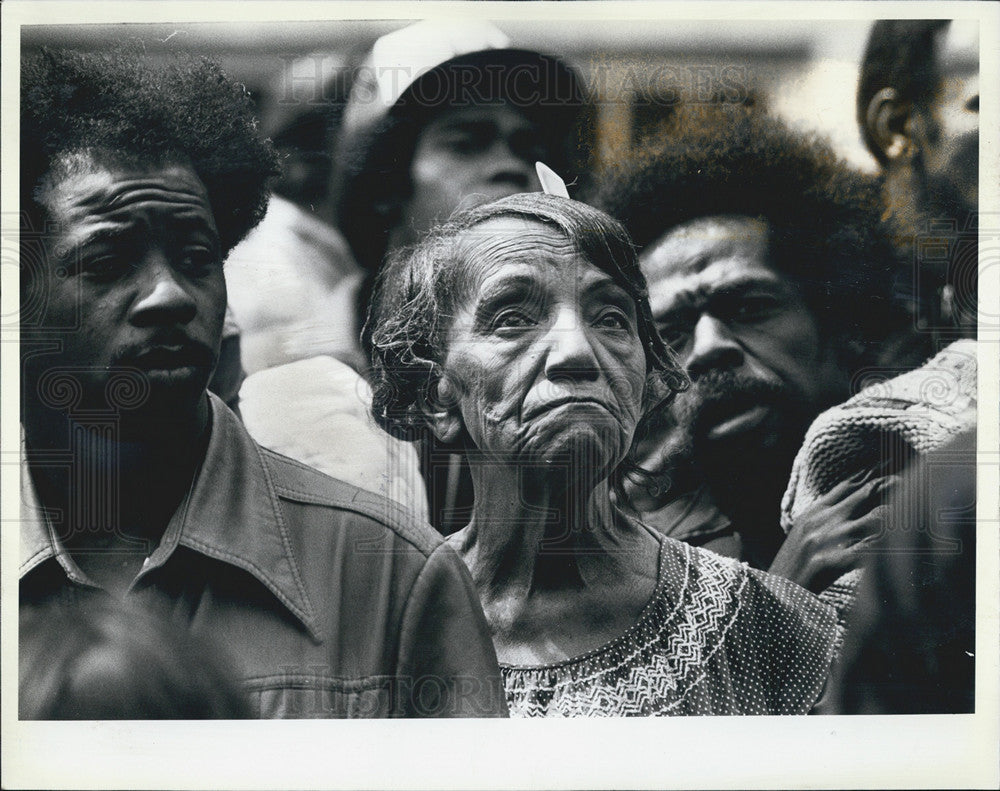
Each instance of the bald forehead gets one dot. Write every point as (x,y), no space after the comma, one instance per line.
(959,46)
(691,247)
(703,256)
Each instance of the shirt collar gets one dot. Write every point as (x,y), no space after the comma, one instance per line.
(232,514)
(38,539)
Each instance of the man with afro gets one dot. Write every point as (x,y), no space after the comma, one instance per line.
(137,178)
(771,278)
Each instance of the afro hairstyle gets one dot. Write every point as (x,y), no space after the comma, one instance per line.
(124,106)
(825,219)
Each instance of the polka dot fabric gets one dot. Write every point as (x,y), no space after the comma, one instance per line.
(718,637)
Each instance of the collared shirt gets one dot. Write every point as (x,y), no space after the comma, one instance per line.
(330,600)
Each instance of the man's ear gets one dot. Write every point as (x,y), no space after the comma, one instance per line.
(889,123)
(441,411)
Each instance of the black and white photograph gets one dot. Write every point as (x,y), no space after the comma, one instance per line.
(452,365)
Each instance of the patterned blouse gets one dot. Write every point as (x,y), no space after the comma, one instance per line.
(718,637)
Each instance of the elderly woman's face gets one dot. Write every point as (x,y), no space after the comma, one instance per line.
(543,356)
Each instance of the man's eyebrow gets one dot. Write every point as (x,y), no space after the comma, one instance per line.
(744,283)
(126,229)
(693,298)
(104,234)
(192,222)
(680,302)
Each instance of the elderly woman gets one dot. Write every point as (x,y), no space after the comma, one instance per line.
(520,333)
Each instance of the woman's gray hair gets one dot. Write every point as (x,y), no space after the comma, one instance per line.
(415,301)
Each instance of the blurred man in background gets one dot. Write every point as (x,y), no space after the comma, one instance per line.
(292,281)
(911,639)
(770,277)
(918,109)
(443,116)
(440,115)
(293,287)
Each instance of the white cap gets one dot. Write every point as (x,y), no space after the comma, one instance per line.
(399,58)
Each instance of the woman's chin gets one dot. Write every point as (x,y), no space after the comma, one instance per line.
(578,450)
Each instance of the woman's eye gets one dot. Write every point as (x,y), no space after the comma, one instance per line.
(614,319)
(512,319)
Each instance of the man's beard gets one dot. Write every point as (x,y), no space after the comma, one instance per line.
(946,221)
(680,449)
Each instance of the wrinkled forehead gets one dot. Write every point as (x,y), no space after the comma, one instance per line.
(702,254)
(692,246)
(85,163)
(485,247)
(88,184)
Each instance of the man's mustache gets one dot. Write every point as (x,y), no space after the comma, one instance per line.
(175,346)
(717,394)
(670,433)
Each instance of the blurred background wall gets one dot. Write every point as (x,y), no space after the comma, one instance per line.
(804,71)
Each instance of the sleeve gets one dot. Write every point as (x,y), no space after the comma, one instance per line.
(447,665)
(795,634)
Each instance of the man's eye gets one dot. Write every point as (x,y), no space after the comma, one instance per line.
(675,327)
(197,260)
(674,335)
(104,267)
(754,308)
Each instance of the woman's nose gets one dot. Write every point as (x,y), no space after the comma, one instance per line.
(570,350)
(712,346)
(163,299)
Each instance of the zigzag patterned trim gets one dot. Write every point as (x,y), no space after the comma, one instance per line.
(655,665)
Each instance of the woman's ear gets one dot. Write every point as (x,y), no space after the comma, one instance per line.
(888,122)
(441,410)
